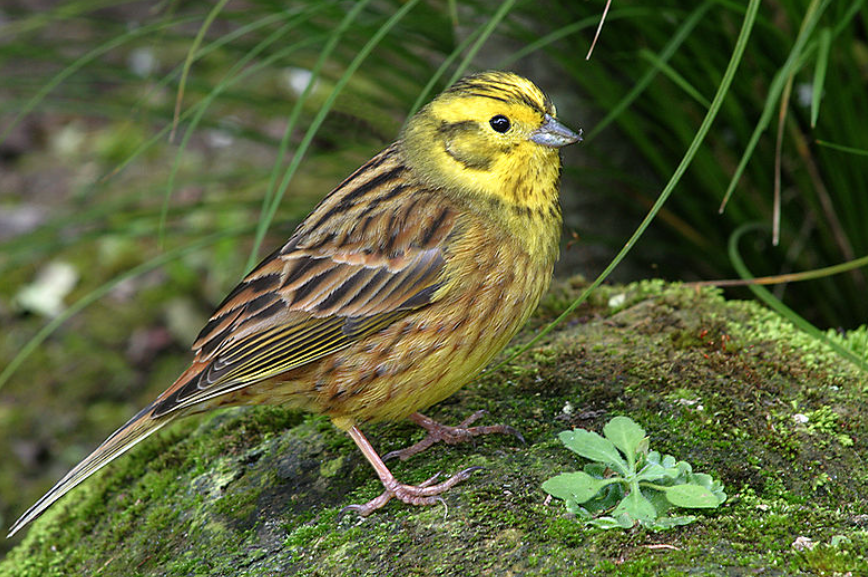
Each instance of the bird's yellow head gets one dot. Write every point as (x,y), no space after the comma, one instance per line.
(493,134)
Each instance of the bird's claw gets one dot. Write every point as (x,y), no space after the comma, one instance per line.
(461,433)
(425,493)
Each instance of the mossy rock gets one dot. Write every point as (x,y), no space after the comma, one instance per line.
(727,386)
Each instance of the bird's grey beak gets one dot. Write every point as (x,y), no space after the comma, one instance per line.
(554,134)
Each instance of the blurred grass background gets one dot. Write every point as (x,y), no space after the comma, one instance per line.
(150,151)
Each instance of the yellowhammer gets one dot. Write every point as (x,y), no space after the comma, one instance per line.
(395,291)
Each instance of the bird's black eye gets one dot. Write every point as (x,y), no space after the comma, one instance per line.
(500,123)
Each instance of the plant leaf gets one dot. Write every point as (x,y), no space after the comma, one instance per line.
(664,523)
(692,496)
(578,510)
(652,471)
(623,521)
(595,469)
(578,486)
(625,434)
(637,506)
(594,447)
(709,483)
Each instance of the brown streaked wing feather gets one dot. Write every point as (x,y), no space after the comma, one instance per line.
(325,289)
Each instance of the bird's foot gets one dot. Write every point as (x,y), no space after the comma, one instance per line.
(450,435)
(423,494)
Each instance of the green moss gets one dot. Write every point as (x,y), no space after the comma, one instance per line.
(841,555)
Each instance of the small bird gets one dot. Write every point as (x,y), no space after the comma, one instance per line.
(395,291)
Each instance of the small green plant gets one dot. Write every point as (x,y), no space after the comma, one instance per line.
(629,482)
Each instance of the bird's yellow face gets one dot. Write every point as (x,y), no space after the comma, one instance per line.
(493,134)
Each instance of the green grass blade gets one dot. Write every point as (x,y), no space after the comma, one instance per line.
(425,94)
(775,90)
(191,55)
(775,304)
(675,77)
(842,148)
(825,41)
(487,31)
(63,12)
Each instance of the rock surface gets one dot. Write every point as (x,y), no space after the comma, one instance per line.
(727,386)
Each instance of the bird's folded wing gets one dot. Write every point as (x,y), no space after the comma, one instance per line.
(300,305)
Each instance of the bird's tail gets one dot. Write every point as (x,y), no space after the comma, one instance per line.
(136,429)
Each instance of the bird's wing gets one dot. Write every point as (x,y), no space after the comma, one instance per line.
(352,268)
